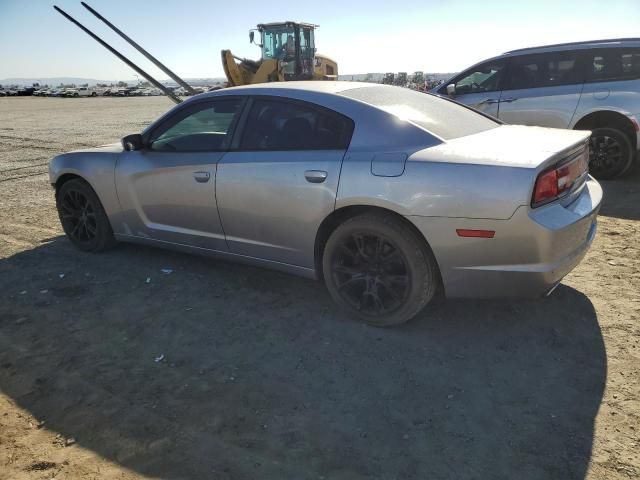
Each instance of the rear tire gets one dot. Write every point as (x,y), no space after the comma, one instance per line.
(377,269)
(610,153)
(83,218)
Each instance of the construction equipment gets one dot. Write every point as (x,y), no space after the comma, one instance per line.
(401,79)
(389,78)
(288,53)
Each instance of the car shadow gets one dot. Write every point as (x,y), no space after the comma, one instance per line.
(217,370)
(622,195)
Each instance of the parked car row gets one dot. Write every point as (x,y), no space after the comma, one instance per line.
(17,92)
(103,92)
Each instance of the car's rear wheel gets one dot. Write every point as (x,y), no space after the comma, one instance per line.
(610,153)
(378,269)
(82,216)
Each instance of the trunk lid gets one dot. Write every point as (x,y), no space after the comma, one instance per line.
(515,146)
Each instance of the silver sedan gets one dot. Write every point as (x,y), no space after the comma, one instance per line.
(384,193)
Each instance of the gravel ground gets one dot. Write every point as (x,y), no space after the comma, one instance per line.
(225,371)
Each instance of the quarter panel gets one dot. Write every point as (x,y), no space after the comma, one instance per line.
(436,189)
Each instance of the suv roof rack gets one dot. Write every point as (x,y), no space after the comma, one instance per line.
(586,42)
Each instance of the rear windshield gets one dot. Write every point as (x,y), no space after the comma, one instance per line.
(444,118)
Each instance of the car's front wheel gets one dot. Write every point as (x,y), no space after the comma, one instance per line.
(82,216)
(610,153)
(378,269)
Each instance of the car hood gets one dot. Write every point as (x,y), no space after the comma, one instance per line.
(109,148)
(508,145)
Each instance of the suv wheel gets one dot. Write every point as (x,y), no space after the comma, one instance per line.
(377,269)
(610,153)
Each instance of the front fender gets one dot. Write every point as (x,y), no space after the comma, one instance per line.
(96,167)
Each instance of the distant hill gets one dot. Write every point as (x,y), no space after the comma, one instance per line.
(54,81)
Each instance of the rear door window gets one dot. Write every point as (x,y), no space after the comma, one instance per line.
(611,64)
(437,115)
(545,70)
(274,124)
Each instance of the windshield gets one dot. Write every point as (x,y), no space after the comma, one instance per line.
(444,118)
(279,43)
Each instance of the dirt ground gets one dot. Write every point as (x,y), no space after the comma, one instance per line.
(223,371)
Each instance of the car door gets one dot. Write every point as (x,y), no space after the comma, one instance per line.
(280,180)
(542,89)
(479,87)
(167,189)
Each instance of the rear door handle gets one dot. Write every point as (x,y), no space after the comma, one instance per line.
(508,100)
(315,176)
(489,101)
(201,177)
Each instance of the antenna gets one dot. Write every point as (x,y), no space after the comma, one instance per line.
(144,74)
(153,59)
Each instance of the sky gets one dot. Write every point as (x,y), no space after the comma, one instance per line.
(361,35)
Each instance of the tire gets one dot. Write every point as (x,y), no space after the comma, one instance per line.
(377,269)
(76,94)
(610,153)
(83,218)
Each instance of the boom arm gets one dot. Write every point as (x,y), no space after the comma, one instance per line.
(153,59)
(144,74)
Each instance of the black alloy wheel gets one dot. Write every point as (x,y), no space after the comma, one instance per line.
(371,274)
(379,269)
(609,153)
(78,216)
(82,216)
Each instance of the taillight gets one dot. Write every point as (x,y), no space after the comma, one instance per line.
(551,184)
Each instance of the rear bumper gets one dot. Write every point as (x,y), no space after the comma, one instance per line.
(529,255)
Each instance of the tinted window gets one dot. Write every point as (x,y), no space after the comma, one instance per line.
(280,125)
(544,70)
(442,117)
(613,64)
(201,128)
(485,78)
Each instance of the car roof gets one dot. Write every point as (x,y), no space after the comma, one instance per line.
(318,86)
(560,47)
(606,43)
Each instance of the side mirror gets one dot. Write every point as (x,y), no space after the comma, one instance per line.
(451,89)
(132,142)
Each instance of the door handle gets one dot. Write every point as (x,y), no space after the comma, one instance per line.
(201,177)
(315,176)
(509,100)
(489,101)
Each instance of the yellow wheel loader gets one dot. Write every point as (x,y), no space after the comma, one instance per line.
(288,53)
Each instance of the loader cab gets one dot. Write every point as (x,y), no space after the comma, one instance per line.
(291,43)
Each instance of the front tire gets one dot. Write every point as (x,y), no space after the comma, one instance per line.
(377,269)
(610,153)
(83,218)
